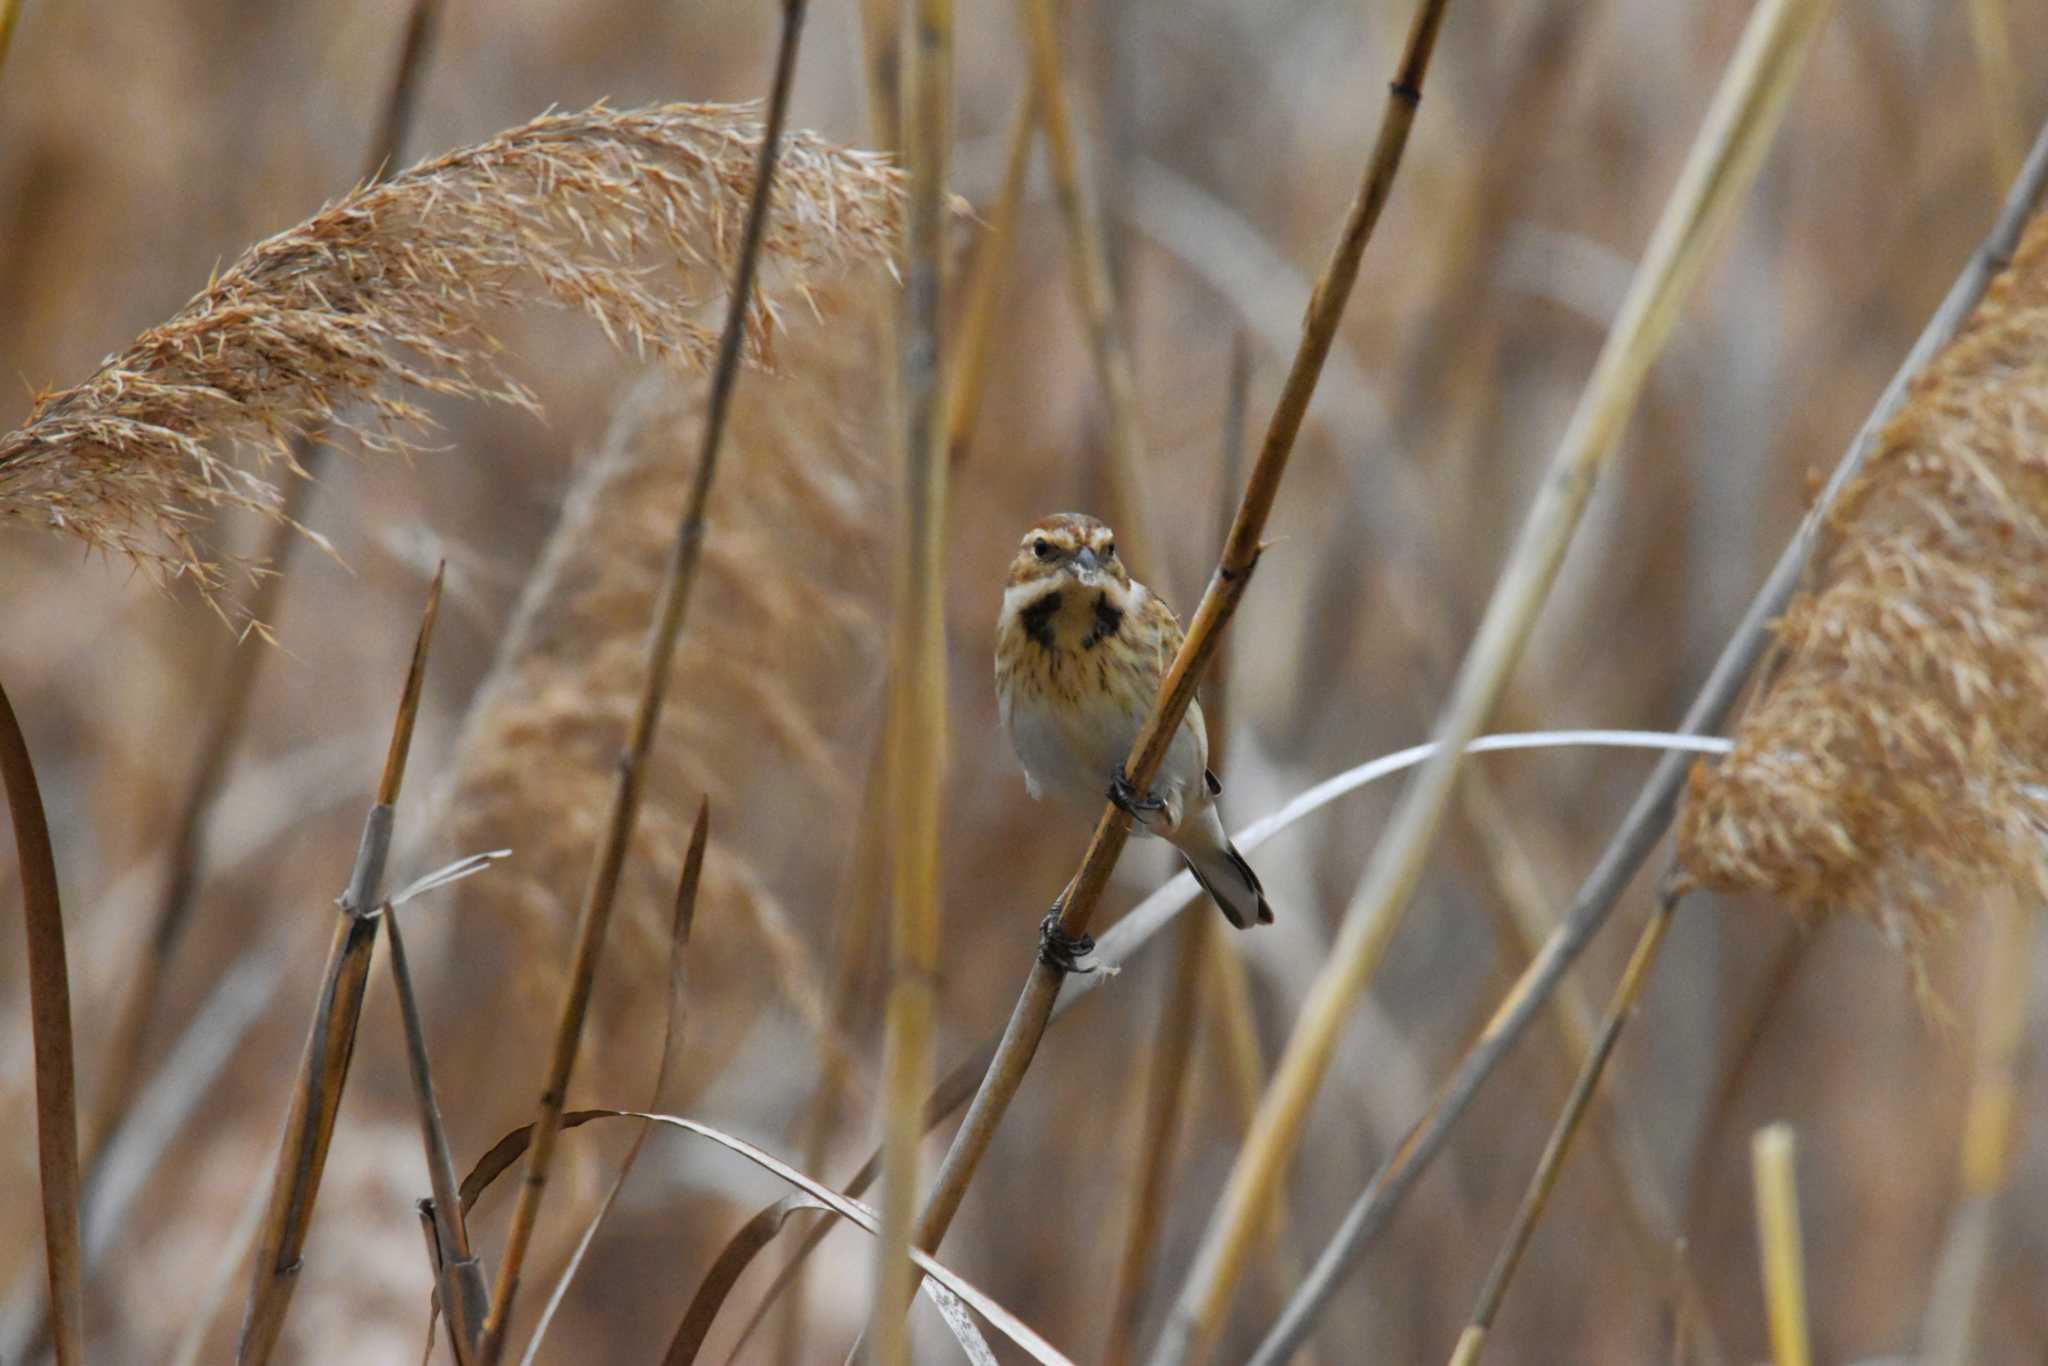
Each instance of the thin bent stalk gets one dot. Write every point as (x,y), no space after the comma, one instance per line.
(917,696)
(1544,1181)
(1093,291)
(678,578)
(49,1008)
(1650,815)
(1739,124)
(331,1040)
(229,696)
(1226,588)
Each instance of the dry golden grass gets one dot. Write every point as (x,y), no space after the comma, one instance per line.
(344,320)
(1891,764)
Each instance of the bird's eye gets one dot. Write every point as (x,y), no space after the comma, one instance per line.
(1109,551)
(1042,548)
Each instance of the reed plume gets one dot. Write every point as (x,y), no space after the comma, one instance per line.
(766,722)
(1892,762)
(386,295)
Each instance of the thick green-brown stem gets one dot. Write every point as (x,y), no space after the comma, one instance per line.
(678,578)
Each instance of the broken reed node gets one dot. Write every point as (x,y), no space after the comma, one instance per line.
(387,294)
(1893,762)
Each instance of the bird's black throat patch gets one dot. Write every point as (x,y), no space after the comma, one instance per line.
(1037,618)
(1109,619)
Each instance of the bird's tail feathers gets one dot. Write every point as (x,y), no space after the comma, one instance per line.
(1225,876)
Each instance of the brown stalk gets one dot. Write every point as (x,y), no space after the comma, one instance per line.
(594,916)
(969,369)
(1226,588)
(459,1275)
(917,697)
(1651,814)
(331,1040)
(1537,1198)
(239,670)
(1747,108)
(49,1005)
(1093,291)
(1998,85)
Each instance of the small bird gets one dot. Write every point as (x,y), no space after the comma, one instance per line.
(1081,648)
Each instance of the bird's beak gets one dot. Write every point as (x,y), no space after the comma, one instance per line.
(1085,558)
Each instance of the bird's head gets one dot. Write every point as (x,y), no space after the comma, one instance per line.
(1070,546)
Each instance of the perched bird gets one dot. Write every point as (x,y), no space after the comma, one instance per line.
(1081,648)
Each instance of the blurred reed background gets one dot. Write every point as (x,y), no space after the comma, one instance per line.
(143,148)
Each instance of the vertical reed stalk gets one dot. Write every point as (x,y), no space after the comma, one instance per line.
(1088,263)
(49,1007)
(917,701)
(229,696)
(1226,588)
(1544,1181)
(678,577)
(10,14)
(1777,1230)
(1650,815)
(1745,113)
(331,1040)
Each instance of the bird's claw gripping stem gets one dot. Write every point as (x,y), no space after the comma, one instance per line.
(1059,950)
(1126,799)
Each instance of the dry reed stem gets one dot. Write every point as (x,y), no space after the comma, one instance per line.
(882,54)
(677,581)
(1738,128)
(1088,263)
(384,297)
(1525,923)
(1998,86)
(49,1002)
(1544,1180)
(1991,1123)
(1892,765)
(1777,1221)
(1226,588)
(458,1275)
(1651,813)
(968,371)
(331,1039)
(228,698)
(917,693)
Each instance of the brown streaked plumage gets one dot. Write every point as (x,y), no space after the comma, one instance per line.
(1081,648)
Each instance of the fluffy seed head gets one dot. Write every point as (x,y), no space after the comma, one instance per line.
(1894,762)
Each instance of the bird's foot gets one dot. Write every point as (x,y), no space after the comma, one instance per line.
(1126,799)
(1060,951)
